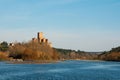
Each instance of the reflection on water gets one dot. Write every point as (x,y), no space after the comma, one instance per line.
(66,70)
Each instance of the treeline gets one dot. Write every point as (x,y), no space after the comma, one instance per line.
(112,55)
(72,54)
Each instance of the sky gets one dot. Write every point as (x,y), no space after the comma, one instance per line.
(88,25)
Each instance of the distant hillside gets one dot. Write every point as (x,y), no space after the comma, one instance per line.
(112,55)
(72,54)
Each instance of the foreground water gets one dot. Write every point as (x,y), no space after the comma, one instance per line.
(66,70)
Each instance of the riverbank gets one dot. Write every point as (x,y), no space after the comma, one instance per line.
(20,61)
(32,62)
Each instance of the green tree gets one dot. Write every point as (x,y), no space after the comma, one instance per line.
(4,46)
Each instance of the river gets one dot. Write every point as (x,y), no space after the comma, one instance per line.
(64,70)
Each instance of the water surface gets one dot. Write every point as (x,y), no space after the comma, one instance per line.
(66,70)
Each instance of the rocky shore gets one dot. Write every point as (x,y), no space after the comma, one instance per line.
(32,62)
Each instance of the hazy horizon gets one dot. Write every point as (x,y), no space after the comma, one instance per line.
(88,25)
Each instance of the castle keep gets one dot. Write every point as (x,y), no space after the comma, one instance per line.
(40,39)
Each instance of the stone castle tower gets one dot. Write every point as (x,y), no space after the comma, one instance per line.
(40,36)
(40,39)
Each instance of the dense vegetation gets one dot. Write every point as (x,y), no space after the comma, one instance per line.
(34,51)
(27,51)
(112,55)
(3,56)
(72,54)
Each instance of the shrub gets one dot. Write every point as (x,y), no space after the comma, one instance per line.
(3,56)
(32,51)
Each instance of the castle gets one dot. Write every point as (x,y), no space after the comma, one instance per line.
(40,39)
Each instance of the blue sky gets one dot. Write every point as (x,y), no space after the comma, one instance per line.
(89,25)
